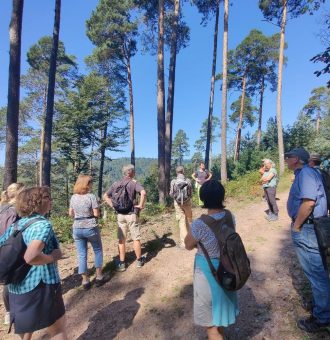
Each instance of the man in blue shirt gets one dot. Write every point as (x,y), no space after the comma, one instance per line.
(306,201)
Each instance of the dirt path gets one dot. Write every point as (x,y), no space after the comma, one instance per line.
(155,302)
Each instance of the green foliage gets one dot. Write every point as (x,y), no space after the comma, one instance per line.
(200,144)
(63,228)
(150,184)
(248,111)
(180,147)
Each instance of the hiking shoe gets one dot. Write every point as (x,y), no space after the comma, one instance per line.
(181,246)
(272,217)
(100,282)
(86,285)
(7,319)
(121,267)
(311,325)
(140,262)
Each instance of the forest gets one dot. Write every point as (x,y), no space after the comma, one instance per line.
(66,120)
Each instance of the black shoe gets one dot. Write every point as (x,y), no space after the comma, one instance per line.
(307,305)
(100,282)
(86,285)
(311,325)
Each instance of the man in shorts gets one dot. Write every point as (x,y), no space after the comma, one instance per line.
(128,221)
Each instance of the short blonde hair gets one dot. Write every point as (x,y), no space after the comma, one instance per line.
(29,201)
(82,185)
(10,195)
(128,169)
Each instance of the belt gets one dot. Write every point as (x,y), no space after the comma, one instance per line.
(84,218)
(309,220)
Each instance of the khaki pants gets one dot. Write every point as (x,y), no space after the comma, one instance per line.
(128,223)
(183,214)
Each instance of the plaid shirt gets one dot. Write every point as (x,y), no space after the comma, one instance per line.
(48,273)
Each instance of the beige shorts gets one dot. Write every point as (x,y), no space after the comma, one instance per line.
(128,223)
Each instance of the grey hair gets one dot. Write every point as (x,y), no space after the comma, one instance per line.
(128,169)
(267,160)
(179,169)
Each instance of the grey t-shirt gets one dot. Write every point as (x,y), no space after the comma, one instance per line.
(83,206)
(201,232)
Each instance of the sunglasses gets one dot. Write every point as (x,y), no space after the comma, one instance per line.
(289,156)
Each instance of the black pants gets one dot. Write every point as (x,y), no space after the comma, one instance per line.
(270,194)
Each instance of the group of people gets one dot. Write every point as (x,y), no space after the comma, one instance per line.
(37,301)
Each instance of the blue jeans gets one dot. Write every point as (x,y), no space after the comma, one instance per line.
(83,235)
(307,250)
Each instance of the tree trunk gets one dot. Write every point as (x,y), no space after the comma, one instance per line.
(240,121)
(262,89)
(224,95)
(161,104)
(42,134)
(46,169)
(318,119)
(102,156)
(279,90)
(170,98)
(131,110)
(15,34)
(214,63)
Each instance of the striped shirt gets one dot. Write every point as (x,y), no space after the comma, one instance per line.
(41,230)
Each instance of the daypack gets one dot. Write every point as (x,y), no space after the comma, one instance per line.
(8,216)
(326,184)
(234,268)
(181,190)
(120,199)
(13,268)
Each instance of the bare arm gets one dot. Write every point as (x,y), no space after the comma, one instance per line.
(35,256)
(107,200)
(194,177)
(304,212)
(96,212)
(267,178)
(189,241)
(209,176)
(71,212)
(143,199)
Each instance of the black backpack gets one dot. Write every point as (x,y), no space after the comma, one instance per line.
(13,268)
(326,184)
(234,268)
(120,199)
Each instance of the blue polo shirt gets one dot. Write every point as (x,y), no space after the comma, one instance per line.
(307,184)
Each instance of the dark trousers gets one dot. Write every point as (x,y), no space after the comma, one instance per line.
(270,195)
(5,296)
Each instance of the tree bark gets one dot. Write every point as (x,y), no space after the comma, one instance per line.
(131,110)
(240,121)
(161,104)
(102,157)
(170,98)
(46,169)
(262,89)
(318,119)
(15,34)
(279,90)
(42,134)
(224,95)
(214,63)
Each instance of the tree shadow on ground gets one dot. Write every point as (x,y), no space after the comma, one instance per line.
(111,320)
(150,250)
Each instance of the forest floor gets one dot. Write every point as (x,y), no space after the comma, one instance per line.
(156,302)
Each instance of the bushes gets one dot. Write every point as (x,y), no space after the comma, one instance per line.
(63,228)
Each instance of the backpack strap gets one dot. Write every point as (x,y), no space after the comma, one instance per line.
(26,225)
(216,227)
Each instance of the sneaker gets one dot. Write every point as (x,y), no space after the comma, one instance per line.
(311,325)
(140,262)
(86,285)
(272,217)
(121,267)
(7,319)
(100,282)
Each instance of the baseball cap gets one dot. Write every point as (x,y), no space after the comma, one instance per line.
(301,153)
(315,157)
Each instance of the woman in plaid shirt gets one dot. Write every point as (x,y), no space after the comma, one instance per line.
(37,302)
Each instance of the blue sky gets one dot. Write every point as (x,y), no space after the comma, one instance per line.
(193,64)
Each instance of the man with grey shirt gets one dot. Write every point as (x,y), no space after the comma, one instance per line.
(128,221)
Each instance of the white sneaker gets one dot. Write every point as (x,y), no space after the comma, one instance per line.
(7,318)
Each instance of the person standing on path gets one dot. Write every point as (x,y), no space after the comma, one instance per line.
(122,197)
(181,191)
(307,201)
(84,208)
(214,307)
(201,176)
(269,183)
